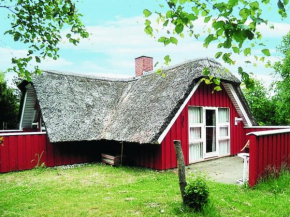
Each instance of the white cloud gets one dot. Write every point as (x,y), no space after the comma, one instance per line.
(8,53)
(280,30)
(113,46)
(124,39)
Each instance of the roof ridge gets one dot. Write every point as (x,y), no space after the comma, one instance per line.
(103,78)
(95,77)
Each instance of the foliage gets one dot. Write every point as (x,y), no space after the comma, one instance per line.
(261,104)
(282,91)
(38,24)
(196,193)
(275,181)
(233,25)
(9,105)
(272,106)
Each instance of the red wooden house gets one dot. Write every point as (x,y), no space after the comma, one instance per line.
(83,116)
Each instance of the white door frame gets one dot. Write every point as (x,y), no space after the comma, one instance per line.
(215,153)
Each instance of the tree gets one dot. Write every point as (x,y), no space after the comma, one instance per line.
(282,91)
(9,105)
(234,26)
(261,103)
(274,109)
(38,24)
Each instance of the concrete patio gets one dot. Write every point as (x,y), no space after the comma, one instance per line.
(226,170)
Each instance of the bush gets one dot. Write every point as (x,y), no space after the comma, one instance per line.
(196,193)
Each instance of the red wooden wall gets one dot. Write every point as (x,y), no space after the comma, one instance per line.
(179,131)
(268,152)
(21,152)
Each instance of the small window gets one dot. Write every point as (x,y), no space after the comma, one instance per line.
(195,133)
(195,115)
(223,115)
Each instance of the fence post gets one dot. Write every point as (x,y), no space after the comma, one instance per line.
(181,167)
(253,161)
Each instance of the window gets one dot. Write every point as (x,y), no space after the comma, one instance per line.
(224,131)
(209,132)
(195,116)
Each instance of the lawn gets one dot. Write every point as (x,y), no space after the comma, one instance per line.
(101,190)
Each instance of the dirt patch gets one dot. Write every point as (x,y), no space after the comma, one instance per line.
(226,170)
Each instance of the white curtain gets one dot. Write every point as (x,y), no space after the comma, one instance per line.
(195,151)
(224,147)
(224,131)
(195,133)
(223,115)
(195,115)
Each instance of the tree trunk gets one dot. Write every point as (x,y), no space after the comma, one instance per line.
(181,167)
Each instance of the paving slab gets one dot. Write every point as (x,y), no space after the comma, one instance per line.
(226,170)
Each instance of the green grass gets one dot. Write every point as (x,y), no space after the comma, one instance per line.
(100,190)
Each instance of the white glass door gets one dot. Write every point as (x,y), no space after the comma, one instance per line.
(209,132)
(210,149)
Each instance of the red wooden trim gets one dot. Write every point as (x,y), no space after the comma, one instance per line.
(253,173)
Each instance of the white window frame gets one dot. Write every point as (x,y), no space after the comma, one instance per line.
(196,125)
(224,124)
(215,153)
(202,126)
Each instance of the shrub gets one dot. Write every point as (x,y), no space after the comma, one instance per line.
(196,193)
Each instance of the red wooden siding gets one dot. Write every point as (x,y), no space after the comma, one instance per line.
(268,153)
(21,152)
(179,130)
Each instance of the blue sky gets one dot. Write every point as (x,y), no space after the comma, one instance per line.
(117,37)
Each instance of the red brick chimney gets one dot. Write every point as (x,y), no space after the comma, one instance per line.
(143,64)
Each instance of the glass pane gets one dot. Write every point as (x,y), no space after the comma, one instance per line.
(195,115)
(210,118)
(195,133)
(195,151)
(224,131)
(224,147)
(223,115)
(210,140)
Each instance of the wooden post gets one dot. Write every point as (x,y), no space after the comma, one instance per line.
(181,167)
(122,153)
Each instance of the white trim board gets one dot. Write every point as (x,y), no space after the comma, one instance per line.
(237,104)
(23,106)
(162,136)
(267,127)
(22,134)
(268,132)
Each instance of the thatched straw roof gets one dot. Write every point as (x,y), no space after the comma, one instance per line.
(80,107)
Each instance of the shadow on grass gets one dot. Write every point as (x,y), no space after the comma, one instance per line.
(210,210)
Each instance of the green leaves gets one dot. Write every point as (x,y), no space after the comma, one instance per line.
(247,51)
(17,35)
(37,59)
(236,50)
(167,59)
(207,19)
(146,13)
(148,30)
(233,23)
(167,41)
(169,14)
(179,28)
(38,24)
(218,54)
(208,40)
(173,40)
(266,52)
(245,13)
